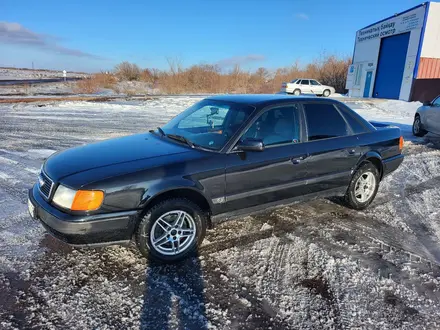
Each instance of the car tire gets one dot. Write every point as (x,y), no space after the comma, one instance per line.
(153,227)
(363,186)
(417,127)
(297,92)
(326,93)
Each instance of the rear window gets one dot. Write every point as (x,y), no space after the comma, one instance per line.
(324,121)
(304,82)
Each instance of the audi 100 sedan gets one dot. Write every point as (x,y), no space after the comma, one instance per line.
(224,156)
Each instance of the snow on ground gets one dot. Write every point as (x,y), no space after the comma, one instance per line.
(19,74)
(313,265)
(61,88)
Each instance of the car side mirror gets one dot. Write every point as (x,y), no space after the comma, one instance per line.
(427,103)
(250,145)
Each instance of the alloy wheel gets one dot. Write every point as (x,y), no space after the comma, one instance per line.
(365,187)
(173,232)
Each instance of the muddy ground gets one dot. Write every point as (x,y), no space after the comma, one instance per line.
(313,265)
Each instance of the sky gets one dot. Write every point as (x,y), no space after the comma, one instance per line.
(95,35)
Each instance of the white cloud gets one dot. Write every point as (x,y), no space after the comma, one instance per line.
(240,60)
(302,16)
(15,33)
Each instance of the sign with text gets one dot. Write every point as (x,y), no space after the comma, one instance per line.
(395,25)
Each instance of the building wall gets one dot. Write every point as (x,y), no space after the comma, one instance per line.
(431,42)
(429,63)
(429,68)
(367,47)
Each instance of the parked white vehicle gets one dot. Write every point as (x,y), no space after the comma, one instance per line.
(306,86)
(427,118)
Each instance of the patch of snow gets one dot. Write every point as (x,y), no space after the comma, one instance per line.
(40,153)
(265,226)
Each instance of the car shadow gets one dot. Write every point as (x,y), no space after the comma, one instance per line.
(174,296)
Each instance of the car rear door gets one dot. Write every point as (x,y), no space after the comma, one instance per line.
(274,174)
(332,148)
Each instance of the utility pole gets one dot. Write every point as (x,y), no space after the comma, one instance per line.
(32,65)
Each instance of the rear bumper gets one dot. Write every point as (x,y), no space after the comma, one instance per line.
(83,230)
(391,164)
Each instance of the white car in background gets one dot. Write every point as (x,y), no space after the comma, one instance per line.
(306,86)
(427,118)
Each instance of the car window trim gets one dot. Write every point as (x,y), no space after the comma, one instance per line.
(435,100)
(260,113)
(351,133)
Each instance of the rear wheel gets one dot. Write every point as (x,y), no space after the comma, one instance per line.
(297,92)
(417,127)
(326,93)
(171,230)
(363,186)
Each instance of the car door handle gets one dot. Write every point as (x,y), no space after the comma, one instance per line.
(297,160)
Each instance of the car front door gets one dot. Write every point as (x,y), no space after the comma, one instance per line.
(433,117)
(316,87)
(276,173)
(305,86)
(333,150)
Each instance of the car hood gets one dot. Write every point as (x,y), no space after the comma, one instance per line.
(109,152)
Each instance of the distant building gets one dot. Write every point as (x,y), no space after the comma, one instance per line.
(398,57)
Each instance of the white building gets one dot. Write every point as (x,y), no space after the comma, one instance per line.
(398,57)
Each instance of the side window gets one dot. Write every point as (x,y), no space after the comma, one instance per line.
(276,126)
(314,83)
(436,102)
(324,121)
(305,82)
(356,126)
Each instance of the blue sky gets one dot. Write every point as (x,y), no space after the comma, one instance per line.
(95,35)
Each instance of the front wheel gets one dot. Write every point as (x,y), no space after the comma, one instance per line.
(417,127)
(363,187)
(326,93)
(171,230)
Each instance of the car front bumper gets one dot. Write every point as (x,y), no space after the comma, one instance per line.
(82,230)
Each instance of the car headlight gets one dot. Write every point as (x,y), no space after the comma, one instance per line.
(78,200)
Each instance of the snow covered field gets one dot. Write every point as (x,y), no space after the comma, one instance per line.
(314,265)
(19,74)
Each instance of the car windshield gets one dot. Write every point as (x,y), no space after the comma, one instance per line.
(208,123)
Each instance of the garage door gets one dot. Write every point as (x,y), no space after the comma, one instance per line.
(389,74)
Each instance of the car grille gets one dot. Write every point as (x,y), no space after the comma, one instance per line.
(45,184)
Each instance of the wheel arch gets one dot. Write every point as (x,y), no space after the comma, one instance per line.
(374,158)
(191,193)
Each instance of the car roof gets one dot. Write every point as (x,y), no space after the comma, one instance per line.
(266,99)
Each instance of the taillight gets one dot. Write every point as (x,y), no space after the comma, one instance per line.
(401,143)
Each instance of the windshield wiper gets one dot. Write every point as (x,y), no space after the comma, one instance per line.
(181,139)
